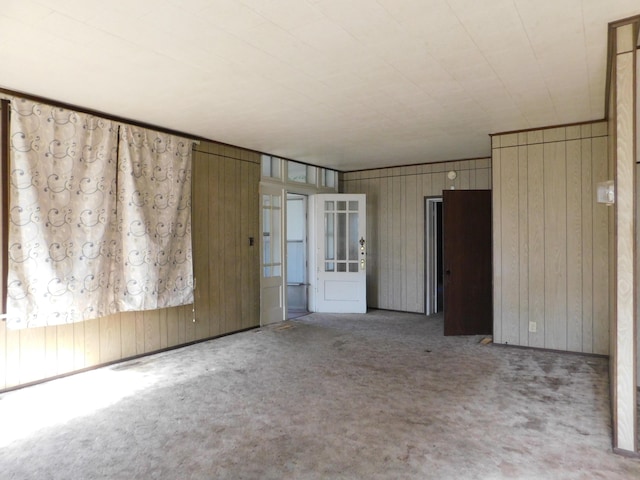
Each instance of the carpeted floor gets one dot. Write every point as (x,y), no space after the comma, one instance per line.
(376,396)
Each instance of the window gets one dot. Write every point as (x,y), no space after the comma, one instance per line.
(301,173)
(271,166)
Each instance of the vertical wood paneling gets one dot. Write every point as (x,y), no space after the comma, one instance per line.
(139,323)
(243,244)
(553,240)
(215,249)
(51,347)
(372,241)
(482,179)
(65,346)
(496,169)
(588,200)
(230,202)
(411,251)
(396,240)
(254,213)
(555,234)
(418,204)
(535,217)
(523,242)
(151,331)
(162,323)
(509,245)
(92,342)
(385,244)
(190,322)
(404,248)
(438,182)
(600,251)
(12,355)
(78,346)
(200,232)
(110,339)
(395,203)
(172,322)
(574,245)
(128,334)
(32,354)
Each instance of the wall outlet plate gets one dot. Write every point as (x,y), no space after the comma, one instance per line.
(533,327)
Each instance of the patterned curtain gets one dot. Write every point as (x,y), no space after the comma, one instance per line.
(154,220)
(100,217)
(62,211)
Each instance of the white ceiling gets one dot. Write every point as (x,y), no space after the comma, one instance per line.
(347,84)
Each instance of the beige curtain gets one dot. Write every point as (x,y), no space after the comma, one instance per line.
(100,217)
(62,212)
(154,220)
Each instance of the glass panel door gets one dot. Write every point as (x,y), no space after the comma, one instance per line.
(341,232)
(272,278)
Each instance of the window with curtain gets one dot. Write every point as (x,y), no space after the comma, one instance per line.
(99,217)
(154,212)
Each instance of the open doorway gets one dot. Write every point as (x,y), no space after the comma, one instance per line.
(296,256)
(434,288)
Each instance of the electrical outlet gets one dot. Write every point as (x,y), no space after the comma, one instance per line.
(533,327)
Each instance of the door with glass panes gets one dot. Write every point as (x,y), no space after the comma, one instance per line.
(341,263)
(272,302)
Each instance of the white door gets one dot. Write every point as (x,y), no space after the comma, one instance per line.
(341,264)
(272,305)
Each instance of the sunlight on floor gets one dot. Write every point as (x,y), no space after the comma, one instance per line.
(24,412)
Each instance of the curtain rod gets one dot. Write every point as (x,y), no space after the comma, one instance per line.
(98,113)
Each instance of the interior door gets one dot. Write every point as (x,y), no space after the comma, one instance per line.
(272,304)
(468,296)
(341,264)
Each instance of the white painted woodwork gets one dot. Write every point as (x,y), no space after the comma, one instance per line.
(341,290)
(396,224)
(272,245)
(551,239)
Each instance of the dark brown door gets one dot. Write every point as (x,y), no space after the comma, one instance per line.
(468,295)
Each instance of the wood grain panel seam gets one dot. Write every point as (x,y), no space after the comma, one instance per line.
(227,157)
(548,142)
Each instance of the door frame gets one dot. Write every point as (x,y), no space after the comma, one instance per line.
(307,280)
(431,254)
(270,282)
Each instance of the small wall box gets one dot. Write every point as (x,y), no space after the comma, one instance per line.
(606,192)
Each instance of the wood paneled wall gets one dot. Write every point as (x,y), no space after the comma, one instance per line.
(225,215)
(551,245)
(623,322)
(395,224)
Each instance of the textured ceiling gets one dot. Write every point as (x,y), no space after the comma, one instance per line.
(347,84)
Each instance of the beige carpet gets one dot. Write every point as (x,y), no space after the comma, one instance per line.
(375,396)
